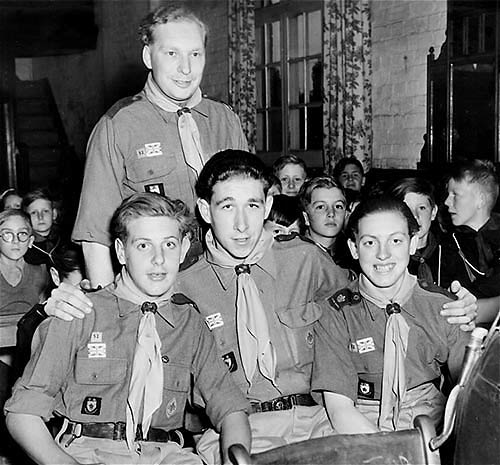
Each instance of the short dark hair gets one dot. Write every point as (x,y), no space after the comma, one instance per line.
(67,258)
(36,194)
(229,164)
(327,182)
(482,172)
(10,213)
(148,204)
(413,185)
(285,210)
(343,162)
(165,14)
(384,203)
(291,159)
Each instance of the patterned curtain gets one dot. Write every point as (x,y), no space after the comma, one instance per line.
(347,108)
(242,84)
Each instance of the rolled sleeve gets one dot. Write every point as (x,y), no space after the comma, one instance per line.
(214,382)
(333,369)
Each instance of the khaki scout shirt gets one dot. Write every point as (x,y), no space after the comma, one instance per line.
(135,147)
(81,369)
(350,343)
(292,278)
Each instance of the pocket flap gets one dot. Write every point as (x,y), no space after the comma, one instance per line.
(100,371)
(176,377)
(141,170)
(298,317)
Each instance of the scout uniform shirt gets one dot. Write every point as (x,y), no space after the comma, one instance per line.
(349,355)
(81,369)
(135,147)
(292,277)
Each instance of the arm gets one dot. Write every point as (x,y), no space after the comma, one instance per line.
(98,263)
(462,311)
(235,429)
(30,432)
(344,416)
(487,309)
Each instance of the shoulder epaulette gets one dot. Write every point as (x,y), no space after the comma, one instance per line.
(180,299)
(219,101)
(344,297)
(122,103)
(431,287)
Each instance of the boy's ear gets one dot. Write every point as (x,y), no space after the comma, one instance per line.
(434,212)
(353,248)
(146,56)
(269,205)
(204,209)
(55,276)
(120,251)
(54,214)
(185,244)
(306,219)
(30,241)
(413,244)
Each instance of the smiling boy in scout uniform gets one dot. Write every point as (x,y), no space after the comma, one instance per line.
(121,378)
(380,349)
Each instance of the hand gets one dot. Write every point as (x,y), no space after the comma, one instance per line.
(462,311)
(67,302)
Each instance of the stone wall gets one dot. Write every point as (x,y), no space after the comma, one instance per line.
(402,33)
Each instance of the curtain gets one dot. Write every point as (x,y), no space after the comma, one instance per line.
(242,83)
(347,108)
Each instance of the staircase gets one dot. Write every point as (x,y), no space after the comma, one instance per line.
(40,136)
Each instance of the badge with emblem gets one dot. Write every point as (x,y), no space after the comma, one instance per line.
(214,321)
(366,389)
(155,188)
(91,406)
(352,347)
(96,336)
(97,350)
(171,408)
(230,360)
(365,345)
(152,149)
(310,338)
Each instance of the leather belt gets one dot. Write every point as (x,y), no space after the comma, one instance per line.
(282,403)
(116,432)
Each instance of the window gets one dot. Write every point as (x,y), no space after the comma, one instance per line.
(289,79)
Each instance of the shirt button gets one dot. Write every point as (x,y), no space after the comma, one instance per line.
(165,359)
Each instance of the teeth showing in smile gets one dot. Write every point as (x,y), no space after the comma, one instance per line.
(384,268)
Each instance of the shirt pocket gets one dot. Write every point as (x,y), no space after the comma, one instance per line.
(176,387)
(298,325)
(100,371)
(140,172)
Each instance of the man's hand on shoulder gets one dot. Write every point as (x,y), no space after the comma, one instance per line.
(462,311)
(67,302)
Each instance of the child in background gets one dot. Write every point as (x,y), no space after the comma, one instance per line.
(39,207)
(274,185)
(285,217)
(292,172)
(10,199)
(324,208)
(350,174)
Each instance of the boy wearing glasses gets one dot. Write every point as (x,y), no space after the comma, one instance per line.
(21,285)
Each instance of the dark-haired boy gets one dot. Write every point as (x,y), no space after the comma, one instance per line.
(121,378)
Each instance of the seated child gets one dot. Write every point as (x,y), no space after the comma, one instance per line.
(324,208)
(39,207)
(292,172)
(350,174)
(22,285)
(418,194)
(274,185)
(121,378)
(67,268)
(381,347)
(285,217)
(10,199)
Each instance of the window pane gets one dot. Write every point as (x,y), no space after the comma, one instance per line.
(261,132)
(473,35)
(296,36)
(274,86)
(314,128)
(296,129)
(489,32)
(314,32)
(273,42)
(296,81)
(315,80)
(275,131)
(259,50)
(259,78)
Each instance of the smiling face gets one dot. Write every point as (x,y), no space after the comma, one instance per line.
(16,249)
(325,215)
(352,178)
(152,253)
(236,213)
(42,216)
(176,58)
(291,176)
(383,247)
(424,213)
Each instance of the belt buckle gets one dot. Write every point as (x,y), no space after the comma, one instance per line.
(119,431)
(282,403)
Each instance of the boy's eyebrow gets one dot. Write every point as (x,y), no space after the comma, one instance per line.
(134,239)
(229,199)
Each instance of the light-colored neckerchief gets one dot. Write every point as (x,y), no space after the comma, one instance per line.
(255,345)
(186,125)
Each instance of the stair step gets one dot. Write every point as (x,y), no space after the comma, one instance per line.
(31,89)
(39,138)
(35,122)
(32,107)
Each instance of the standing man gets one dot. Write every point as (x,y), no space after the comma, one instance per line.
(157,140)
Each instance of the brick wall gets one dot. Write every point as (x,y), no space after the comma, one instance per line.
(402,32)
